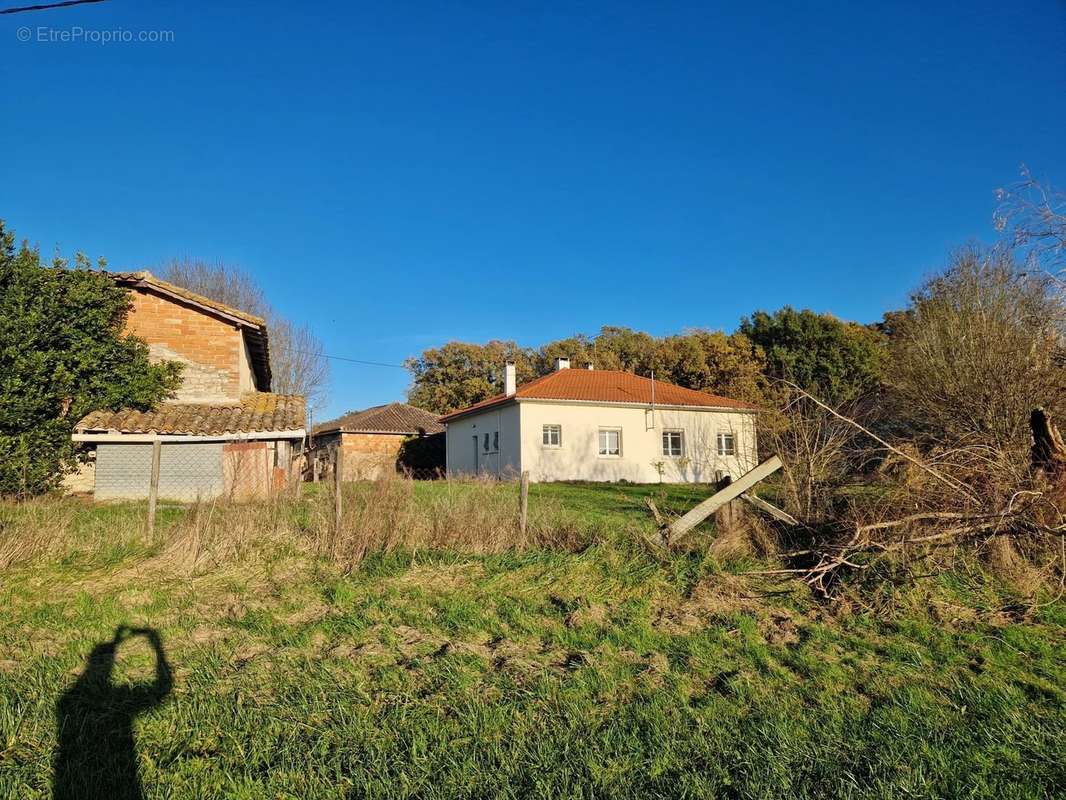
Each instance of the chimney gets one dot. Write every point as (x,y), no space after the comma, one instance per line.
(562,363)
(510,380)
(588,365)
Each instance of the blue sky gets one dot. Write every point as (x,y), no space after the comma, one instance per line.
(402,174)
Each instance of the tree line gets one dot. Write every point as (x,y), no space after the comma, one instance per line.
(837,358)
(979,345)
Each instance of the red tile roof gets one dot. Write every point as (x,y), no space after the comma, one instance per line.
(391,418)
(257,412)
(605,386)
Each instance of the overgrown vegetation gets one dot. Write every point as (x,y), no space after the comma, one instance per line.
(62,354)
(957,450)
(466,661)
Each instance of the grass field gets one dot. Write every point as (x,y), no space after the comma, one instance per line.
(599,672)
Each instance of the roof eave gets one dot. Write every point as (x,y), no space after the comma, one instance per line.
(613,403)
(640,404)
(375,432)
(103,437)
(465,412)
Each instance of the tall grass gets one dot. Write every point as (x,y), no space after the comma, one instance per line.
(394,513)
(473,516)
(69,529)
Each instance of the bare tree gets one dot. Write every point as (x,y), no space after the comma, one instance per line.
(978,349)
(230,285)
(297,362)
(1033,215)
(818,450)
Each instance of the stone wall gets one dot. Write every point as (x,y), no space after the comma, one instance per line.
(209,347)
(368,456)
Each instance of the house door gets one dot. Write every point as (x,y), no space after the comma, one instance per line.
(477,466)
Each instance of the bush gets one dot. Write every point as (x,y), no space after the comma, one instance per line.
(62,355)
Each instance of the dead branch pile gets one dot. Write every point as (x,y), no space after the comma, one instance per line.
(967,496)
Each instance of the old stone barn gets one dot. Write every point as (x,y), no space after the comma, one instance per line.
(382,440)
(223,434)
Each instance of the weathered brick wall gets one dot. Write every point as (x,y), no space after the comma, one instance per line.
(209,348)
(369,455)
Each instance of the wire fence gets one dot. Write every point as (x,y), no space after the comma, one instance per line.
(360,465)
(187,473)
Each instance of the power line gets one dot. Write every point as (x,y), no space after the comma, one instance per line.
(46,6)
(342,358)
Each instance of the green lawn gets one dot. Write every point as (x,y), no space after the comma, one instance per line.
(599,673)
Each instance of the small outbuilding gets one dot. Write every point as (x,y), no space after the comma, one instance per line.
(222,434)
(382,440)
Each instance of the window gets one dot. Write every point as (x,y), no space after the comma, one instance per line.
(610,442)
(673,443)
(496,441)
(727,444)
(553,436)
(486,443)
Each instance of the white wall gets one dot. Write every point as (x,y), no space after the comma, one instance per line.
(578,457)
(501,462)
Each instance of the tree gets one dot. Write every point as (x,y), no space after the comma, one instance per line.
(1033,215)
(460,374)
(714,362)
(835,360)
(579,349)
(62,355)
(977,352)
(624,349)
(297,362)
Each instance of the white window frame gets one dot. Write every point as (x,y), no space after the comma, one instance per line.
(720,442)
(671,432)
(604,451)
(545,433)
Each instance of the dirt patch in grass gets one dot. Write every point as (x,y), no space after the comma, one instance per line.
(314,611)
(725,596)
(207,634)
(442,576)
(588,614)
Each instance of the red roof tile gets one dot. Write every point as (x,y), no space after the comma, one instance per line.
(605,386)
(257,412)
(391,418)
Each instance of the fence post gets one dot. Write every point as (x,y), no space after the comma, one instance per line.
(153,485)
(523,502)
(338,470)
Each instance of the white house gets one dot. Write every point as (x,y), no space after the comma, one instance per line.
(602,425)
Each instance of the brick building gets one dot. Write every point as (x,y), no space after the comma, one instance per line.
(383,439)
(223,433)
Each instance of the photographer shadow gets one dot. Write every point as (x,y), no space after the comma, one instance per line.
(97,756)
